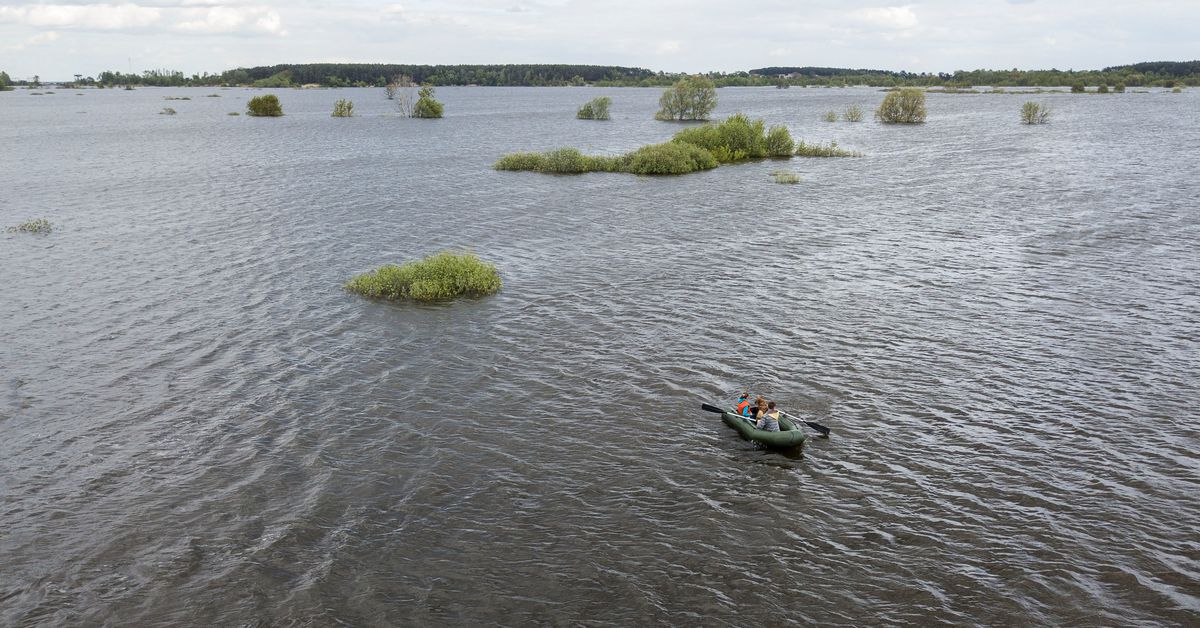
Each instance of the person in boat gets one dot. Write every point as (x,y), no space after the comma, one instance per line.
(768,418)
(743,404)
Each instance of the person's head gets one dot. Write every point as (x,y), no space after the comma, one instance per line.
(762,403)
(771,406)
(745,395)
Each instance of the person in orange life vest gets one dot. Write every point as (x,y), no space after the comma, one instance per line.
(743,404)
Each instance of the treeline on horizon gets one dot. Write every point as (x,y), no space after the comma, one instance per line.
(1149,74)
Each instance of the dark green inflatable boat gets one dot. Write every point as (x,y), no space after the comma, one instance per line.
(789,434)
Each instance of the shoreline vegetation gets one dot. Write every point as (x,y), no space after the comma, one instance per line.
(1168,74)
(439,277)
(736,139)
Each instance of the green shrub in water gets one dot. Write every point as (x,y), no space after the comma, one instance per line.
(167,111)
(1078,87)
(38,225)
(426,106)
(853,113)
(779,142)
(439,277)
(267,105)
(343,108)
(735,139)
(595,109)
(1033,113)
(830,116)
(903,106)
(690,98)
(669,158)
(819,150)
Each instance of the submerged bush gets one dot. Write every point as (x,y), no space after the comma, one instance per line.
(426,106)
(1102,89)
(1120,88)
(38,225)
(343,108)
(735,139)
(779,142)
(666,158)
(853,113)
(830,116)
(267,105)
(167,111)
(438,277)
(669,158)
(783,176)
(818,150)
(595,109)
(1078,87)
(903,106)
(1033,113)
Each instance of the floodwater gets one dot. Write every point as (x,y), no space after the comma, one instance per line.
(200,426)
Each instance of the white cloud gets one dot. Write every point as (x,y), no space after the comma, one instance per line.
(894,18)
(103,17)
(667,47)
(225,19)
(40,38)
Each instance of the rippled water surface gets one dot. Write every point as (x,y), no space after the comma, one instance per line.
(199,426)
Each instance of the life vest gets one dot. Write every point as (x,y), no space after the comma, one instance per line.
(743,408)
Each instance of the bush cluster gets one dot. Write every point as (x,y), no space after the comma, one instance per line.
(267,105)
(438,277)
(698,148)
(853,114)
(691,98)
(595,109)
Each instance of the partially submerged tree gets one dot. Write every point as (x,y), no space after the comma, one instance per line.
(595,109)
(343,108)
(1034,113)
(426,106)
(903,106)
(691,98)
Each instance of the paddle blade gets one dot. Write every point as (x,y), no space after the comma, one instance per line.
(820,428)
(710,408)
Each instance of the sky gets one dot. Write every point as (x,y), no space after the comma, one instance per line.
(56,40)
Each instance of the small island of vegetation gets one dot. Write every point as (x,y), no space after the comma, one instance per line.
(37,225)
(691,98)
(440,277)
(903,106)
(738,138)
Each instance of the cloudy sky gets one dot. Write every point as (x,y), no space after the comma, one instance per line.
(58,39)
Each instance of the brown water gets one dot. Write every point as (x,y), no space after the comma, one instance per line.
(999,322)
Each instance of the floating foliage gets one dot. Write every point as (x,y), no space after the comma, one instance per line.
(38,225)
(439,277)
(783,176)
(819,150)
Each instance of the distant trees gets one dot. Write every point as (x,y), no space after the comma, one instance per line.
(279,79)
(691,98)
(4,81)
(267,105)
(903,106)
(426,106)
(594,109)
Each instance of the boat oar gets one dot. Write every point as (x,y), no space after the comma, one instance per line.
(816,426)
